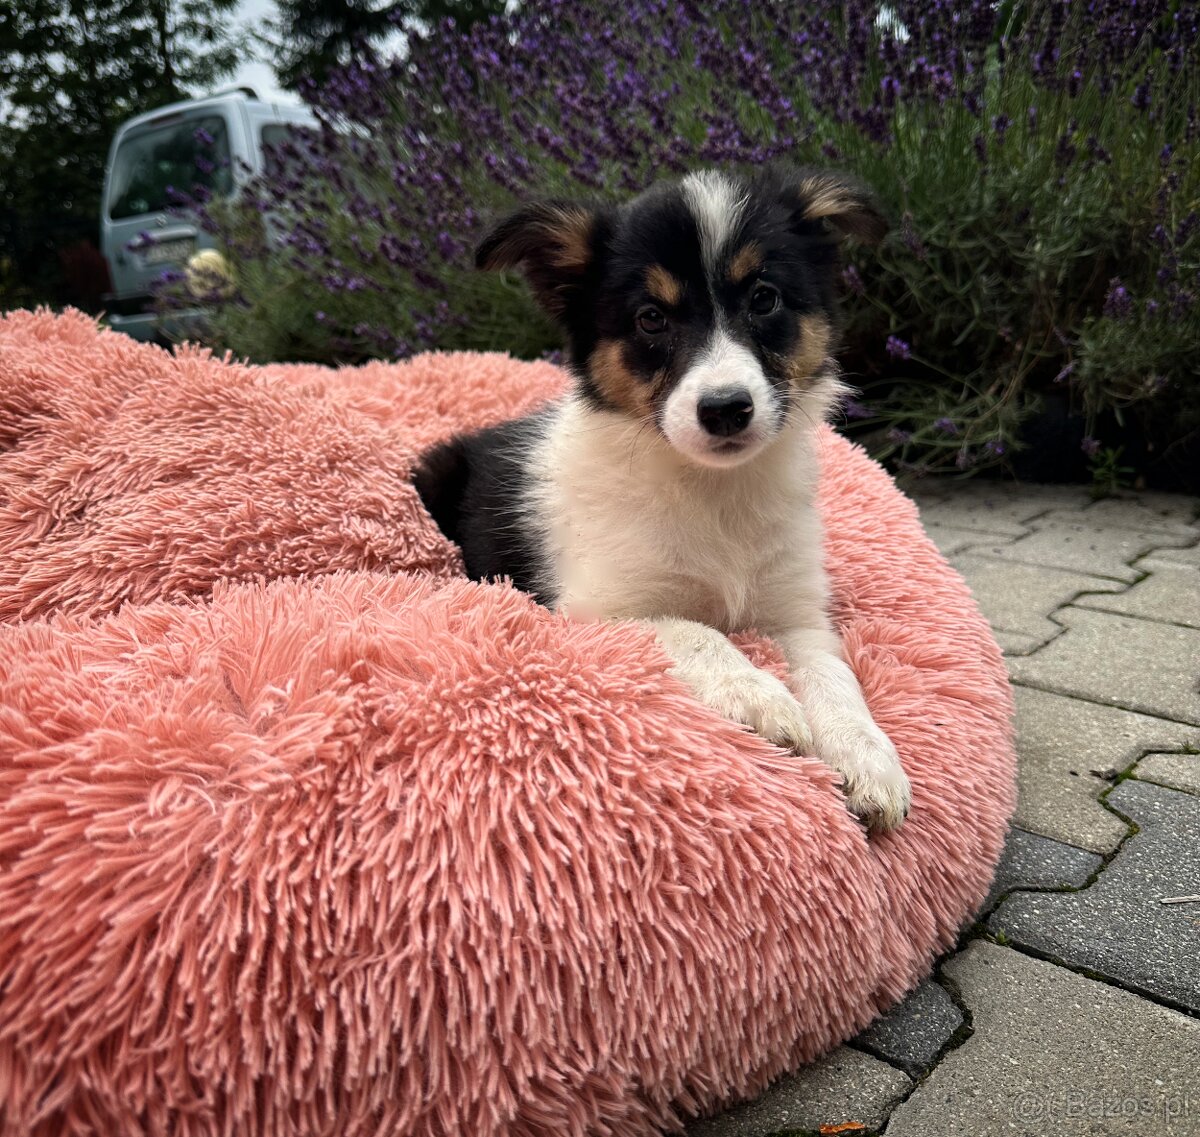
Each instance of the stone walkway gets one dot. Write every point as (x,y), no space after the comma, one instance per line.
(1072,1005)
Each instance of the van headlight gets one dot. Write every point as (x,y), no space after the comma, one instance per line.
(208,275)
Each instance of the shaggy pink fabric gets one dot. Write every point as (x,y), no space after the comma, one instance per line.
(381,851)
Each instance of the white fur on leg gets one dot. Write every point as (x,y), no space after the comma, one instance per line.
(721,677)
(844,734)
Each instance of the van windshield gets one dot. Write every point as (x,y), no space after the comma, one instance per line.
(155,166)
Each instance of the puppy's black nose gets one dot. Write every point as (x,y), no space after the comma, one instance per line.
(726,412)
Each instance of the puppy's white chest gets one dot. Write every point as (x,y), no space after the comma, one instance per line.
(640,538)
(694,565)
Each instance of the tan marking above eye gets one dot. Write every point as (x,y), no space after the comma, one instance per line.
(748,259)
(663,286)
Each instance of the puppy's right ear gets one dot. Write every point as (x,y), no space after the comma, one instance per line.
(557,243)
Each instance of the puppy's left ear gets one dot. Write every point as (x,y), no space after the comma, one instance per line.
(837,198)
(556,243)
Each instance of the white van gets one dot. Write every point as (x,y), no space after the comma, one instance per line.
(217,143)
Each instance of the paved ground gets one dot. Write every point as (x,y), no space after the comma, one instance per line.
(1072,1006)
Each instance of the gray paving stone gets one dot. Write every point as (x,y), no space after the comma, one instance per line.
(1170,593)
(1033,861)
(1117,927)
(977,525)
(1148,512)
(1013,643)
(1060,741)
(1019,598)
(844,1086)
(992,507)
(1138,664)
(1172,556)
(1055,1053)
(912,1033)
(951,540)
(1030,497)
(1179,771)
(1072,543)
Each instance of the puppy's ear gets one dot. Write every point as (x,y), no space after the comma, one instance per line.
(556,243)
(834,197)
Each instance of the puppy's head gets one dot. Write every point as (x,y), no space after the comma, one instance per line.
(704,306)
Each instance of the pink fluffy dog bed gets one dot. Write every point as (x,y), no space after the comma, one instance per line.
(301,833)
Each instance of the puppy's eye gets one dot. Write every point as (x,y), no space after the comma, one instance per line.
(764,299)
(651,321)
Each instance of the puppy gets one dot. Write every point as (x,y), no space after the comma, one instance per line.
(676,484)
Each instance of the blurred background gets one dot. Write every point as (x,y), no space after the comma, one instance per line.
(304,180)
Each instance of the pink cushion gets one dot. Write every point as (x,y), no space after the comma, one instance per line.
(300,833)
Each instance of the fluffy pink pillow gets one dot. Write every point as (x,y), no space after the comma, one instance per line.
(375,850)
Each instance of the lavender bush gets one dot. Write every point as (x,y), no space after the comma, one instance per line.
(1041,162)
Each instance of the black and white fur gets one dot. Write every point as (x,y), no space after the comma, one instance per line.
(676,484)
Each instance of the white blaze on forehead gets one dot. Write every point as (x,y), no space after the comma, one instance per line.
(727,363)
(716,202)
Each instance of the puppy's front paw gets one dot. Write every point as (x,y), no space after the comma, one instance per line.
(874,782)
(764,704)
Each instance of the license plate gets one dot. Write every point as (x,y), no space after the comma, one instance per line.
(162,251)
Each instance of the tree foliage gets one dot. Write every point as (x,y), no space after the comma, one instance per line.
(70,72)
(311,38)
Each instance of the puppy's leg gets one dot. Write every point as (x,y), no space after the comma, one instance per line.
(844,734)
(721,677)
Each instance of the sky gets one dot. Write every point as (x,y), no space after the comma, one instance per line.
(258,74)
(254,72)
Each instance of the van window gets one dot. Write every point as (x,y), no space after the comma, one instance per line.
(278,135)
(179,156)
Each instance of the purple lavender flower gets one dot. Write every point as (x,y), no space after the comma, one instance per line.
(557,95)
(1117,303)
(1090,446)
(898,436)
(853,409)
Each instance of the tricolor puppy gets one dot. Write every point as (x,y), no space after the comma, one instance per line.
(676,483)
